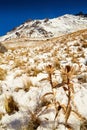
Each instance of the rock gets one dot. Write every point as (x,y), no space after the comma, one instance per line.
(3,49)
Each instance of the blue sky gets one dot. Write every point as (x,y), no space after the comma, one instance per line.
(15,12)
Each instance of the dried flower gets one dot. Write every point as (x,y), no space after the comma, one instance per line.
(49,69)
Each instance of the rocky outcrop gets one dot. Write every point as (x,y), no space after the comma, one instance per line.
(81,14)
(3,49)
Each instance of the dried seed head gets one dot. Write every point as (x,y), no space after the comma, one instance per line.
(49,69)
(68,72)
(68,68)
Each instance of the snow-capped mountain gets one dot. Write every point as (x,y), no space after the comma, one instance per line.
(47,28)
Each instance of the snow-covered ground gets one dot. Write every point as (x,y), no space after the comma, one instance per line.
(43,84)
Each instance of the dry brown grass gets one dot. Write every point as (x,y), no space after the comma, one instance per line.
(10,105)
(18,63)
(27,85)
(1,115)
(3,74)
(34,122)
(33,71)
(84,44)
(83,126)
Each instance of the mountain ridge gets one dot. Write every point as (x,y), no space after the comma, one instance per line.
(47,28)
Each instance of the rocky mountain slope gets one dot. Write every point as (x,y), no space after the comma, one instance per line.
(43,83)
(48,28)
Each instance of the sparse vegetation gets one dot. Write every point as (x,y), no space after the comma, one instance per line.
(83,126)
(34,122)
(3,74)
(84,45)
(27,85)
(10,105)
(1,115)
